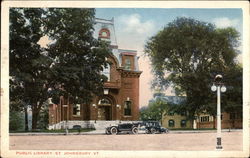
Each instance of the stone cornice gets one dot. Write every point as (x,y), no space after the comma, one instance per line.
(127,73)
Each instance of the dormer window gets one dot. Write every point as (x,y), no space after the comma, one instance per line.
(128,64)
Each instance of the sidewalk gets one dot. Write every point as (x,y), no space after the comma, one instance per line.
(102,132)
(203,131)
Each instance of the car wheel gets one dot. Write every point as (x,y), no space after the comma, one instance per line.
(147,131)
(113,130)
(107,132)
(135,130)
(153,130)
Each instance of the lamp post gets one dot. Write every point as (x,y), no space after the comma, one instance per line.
(219,87)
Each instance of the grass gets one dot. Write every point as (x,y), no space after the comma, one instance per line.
(193,129)
(54,131)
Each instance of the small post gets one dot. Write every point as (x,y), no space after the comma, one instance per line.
(66,128)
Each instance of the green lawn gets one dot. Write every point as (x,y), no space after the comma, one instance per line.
(54,131)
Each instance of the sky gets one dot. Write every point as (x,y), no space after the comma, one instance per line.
(134,26)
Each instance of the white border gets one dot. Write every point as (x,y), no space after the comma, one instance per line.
(127,4)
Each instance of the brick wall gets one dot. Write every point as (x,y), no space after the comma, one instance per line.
(122,85)
(226,122)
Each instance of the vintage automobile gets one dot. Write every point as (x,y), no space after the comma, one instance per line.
(123,128)
(148,127)
(152,127)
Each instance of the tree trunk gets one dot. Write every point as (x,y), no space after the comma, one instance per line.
(214,122)
(34,119)
(198,122)
(35,115)
(26,128)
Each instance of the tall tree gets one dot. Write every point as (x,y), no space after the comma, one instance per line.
(78,56)
(187,54)
(28,64)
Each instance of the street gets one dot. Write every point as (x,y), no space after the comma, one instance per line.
(171,141)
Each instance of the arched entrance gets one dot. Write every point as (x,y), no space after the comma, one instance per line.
(104,109)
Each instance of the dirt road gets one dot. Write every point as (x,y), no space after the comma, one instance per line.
(170,141)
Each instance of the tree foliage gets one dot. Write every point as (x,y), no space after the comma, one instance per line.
(187,54)
(155,110)
(78,57)
(28,66)
(70,65)
(16,121)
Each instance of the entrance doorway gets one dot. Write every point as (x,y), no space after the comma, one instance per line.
(104,113)
(104,109)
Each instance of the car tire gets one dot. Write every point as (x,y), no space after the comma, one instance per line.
(107,132)
(147,131)
(135,130)
(153,130)
(113,130)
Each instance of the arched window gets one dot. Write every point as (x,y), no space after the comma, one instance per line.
(104,101)
(127,108)
(183,123)
(171,123)
(104,33)
(106,72)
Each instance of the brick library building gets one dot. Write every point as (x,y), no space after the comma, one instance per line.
(120,99)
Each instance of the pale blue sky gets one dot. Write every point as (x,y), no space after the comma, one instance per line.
(162,16)
(134,26)
(158,17)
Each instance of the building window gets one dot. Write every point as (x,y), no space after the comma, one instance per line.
(204,119)
(171,123)
(183,113)
(104,101)
(77,109)
(171,113)
(104,33)
(106,72)
(127,64)
(183,123)
(239,115)
(127,108)
(234,116)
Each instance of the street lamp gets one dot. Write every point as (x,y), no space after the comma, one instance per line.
(218,85)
